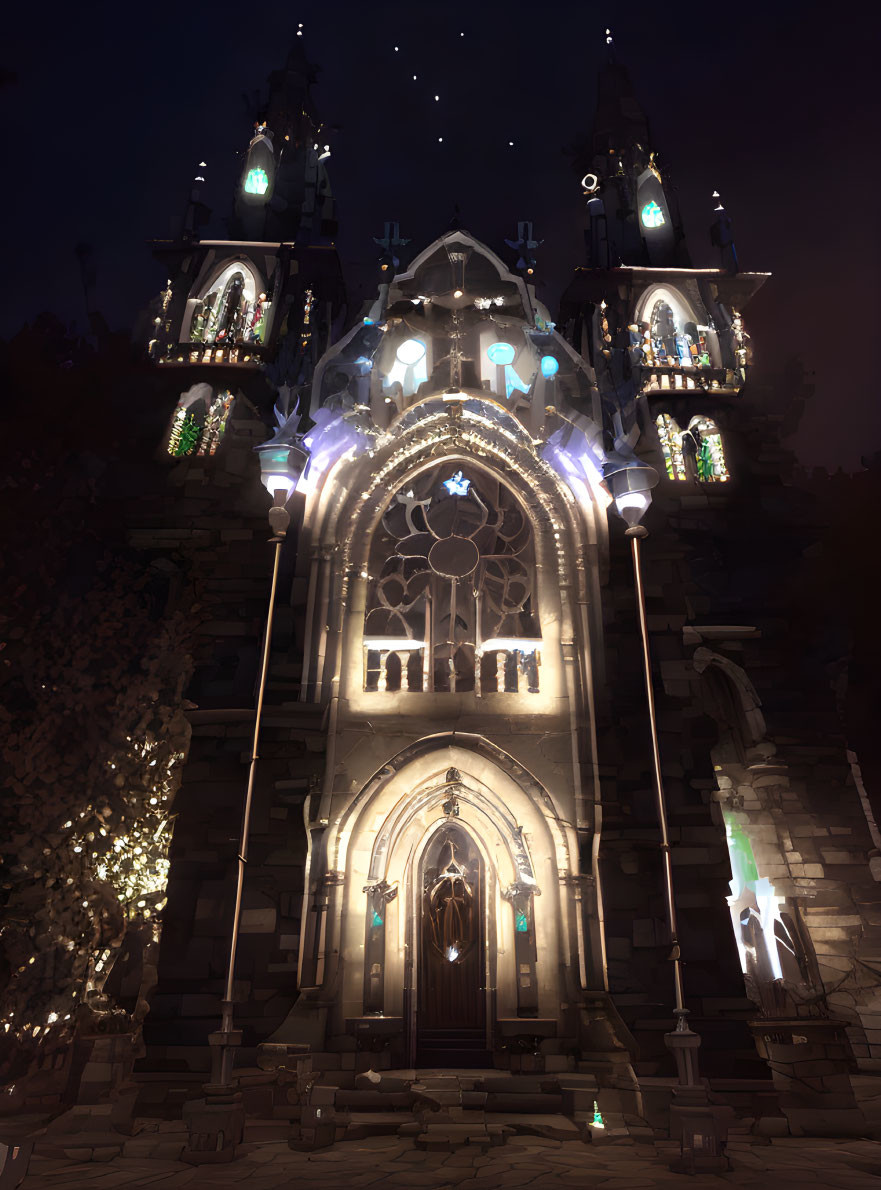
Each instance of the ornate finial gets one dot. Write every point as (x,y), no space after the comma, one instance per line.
(453,776)
(525,245)
(390,240)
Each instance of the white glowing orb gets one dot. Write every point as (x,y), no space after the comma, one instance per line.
(411,351)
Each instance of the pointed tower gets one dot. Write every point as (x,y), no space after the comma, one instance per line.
(251,314)
(653,326)
(633,218)
(284,191)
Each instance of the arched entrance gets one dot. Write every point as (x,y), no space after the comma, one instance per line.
(452,952)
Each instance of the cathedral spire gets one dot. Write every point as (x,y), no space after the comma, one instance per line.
(633,217)
(284,192)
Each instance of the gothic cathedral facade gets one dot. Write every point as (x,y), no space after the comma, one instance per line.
(454,858)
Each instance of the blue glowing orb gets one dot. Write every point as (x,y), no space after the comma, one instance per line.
(500,353)
(457,485)
(652,215)
(549,366)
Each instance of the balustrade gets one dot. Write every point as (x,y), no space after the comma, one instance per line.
(392,667)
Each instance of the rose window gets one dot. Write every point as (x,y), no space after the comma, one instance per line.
(450,602)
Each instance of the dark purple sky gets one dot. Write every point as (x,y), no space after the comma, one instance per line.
(773,104)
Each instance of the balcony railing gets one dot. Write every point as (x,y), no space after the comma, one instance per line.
(665,378)
(503,666)
(247,355)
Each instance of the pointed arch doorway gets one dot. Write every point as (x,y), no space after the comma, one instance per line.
(451,1001)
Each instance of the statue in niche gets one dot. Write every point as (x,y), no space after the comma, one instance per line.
(449,905)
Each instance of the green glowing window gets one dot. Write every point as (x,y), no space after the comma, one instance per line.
(652,215)
(257,181)
(521,925)
(377,919)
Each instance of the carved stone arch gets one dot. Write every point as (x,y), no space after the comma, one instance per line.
(731,698)
(528,856)
(343,514)
(365,801)
(214,280)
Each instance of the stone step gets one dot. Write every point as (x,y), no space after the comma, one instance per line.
(365,1101)
(447,1136)
(377,1123)
(540,1104)
(553,1127)
(454,1058)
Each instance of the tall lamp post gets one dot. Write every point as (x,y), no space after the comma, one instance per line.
(281,464)
(701,1128)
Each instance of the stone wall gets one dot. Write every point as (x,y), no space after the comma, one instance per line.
(210,522)
(722,568)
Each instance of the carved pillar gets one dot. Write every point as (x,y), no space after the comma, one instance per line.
(378,897)
(520,895)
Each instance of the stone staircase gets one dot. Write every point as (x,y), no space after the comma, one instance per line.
(444,1109)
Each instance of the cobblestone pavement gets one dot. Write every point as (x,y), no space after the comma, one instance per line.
(524,1161)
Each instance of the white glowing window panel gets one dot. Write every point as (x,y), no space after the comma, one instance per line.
(410,368)
(671,446)
(652,215)
(709,452)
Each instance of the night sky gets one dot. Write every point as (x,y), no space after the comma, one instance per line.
(110,107)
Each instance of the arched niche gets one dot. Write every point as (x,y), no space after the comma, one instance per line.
(695,453)
(527,850)
(258,176)
(230,308)
(199,421)
(672,332)
(773,944)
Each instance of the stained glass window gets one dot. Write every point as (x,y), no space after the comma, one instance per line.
(257,181)
(709,453)
(652,215)
(452,572)
(521,925)
(671,445)
(215,423)
(185,433)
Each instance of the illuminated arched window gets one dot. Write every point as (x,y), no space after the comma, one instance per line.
(410,366)
(671,445)
(259,169)
(709,455)
(450,603)
(671,336)
(232,310)
(199,421)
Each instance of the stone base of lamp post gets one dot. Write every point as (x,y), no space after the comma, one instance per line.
(702,1131)
(216,1124)
(700,1127)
